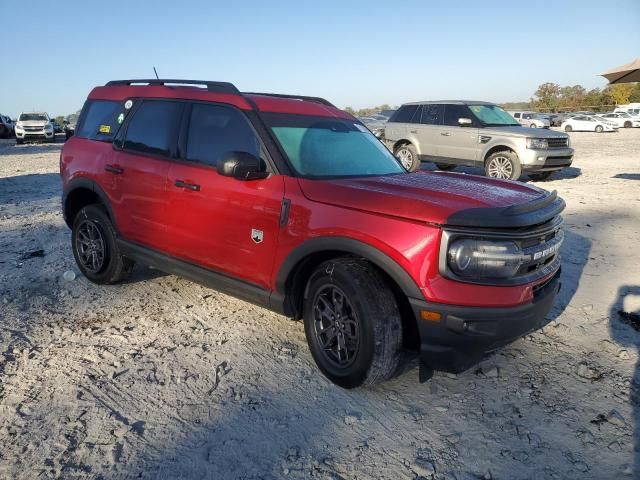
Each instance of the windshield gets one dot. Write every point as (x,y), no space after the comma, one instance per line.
(319,147)
(493,116)
(39,117)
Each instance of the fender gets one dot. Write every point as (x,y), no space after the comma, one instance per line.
(348,245)
(83,182)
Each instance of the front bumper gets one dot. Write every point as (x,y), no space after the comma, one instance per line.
(35,134)
(464,334)
(546,160)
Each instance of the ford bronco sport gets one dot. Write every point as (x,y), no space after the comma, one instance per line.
(292,204)
(476,134)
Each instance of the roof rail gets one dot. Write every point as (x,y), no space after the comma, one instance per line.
(225,87)
(295,97)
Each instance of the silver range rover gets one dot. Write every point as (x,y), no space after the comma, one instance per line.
(477,134)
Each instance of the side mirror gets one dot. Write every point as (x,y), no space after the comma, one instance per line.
(465,122)
(242,166)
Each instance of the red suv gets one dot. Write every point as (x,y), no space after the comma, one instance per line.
(292,204)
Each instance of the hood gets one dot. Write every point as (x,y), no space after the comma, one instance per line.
(34,123)
(525,132)
(431,197)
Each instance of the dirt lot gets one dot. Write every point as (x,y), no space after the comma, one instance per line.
(162,378)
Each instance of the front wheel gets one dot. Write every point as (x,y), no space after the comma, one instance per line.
(533,125)
(503,165)
(93,241)
(599,129)
(627,124)
(352,323)
(568,128)
(445,167)
(408,157)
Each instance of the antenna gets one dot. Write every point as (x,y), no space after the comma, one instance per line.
(156,72)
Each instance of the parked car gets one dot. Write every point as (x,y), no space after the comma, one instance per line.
(374,123)
(477,134)
(621,120)
(585,123)
(7,127)
(309,215)
(34,126)
(530,119)
(69,129)
(56,128)
(631,108)
(560,118)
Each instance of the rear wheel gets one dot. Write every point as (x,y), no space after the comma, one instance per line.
(540,175)
(503,165)
(93,241)
(599,129)
(445,167)
(533,125)
(352,323)
(408,157)
(568,128)
(627,124)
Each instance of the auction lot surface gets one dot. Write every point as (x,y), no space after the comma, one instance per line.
(163,378)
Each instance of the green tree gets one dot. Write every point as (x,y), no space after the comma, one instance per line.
(547,97)
(620,92)
(635,94)
(59,120)
(350,110)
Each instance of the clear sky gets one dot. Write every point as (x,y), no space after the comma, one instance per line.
(354,53)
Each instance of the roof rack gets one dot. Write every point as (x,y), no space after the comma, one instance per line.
(295,97)
(224,87)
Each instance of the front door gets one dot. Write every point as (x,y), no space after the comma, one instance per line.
(215,221)
(458,144)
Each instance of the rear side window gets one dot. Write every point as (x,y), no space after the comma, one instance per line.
(216,130)
(432,114)
(454,112)
(404,114)
(153,128)
(100,120)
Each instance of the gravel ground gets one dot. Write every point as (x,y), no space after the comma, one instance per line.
(163,378)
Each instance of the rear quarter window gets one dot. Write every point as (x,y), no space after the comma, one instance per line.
(404,114)
(100,120)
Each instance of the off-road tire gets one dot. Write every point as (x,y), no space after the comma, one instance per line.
(375,311)
(511,172)
(410,154)
(599,129)
(445,167)
(114,267)
(568,128)
(540,175)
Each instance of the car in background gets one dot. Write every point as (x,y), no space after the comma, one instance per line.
(34,126)
(56,128)
(622,120)
(386,113)
(560,118)
(7,127)
(586,123)
(530,119)
(375,123)
(69,129)
(476,134)
(632,109)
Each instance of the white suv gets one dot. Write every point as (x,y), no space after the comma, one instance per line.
(531,119)
(34,126)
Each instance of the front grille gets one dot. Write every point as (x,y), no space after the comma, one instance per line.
(33,129)
(558,142)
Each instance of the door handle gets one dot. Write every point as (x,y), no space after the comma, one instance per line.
(114,169)
(413,131)
(445,134)
(190,186)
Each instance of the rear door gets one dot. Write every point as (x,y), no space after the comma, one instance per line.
(430,121)
(459,145)
(139,171)
(215,221)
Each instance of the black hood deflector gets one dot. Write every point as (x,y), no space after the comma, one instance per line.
(535,212)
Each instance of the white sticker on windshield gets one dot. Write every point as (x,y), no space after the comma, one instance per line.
(362,128)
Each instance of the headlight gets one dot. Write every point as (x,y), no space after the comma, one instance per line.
(471,258)
(537,143)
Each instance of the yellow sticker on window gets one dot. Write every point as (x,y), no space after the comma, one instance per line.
(105,129)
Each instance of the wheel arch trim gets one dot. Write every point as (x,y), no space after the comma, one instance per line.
(87,184)
(351,246)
